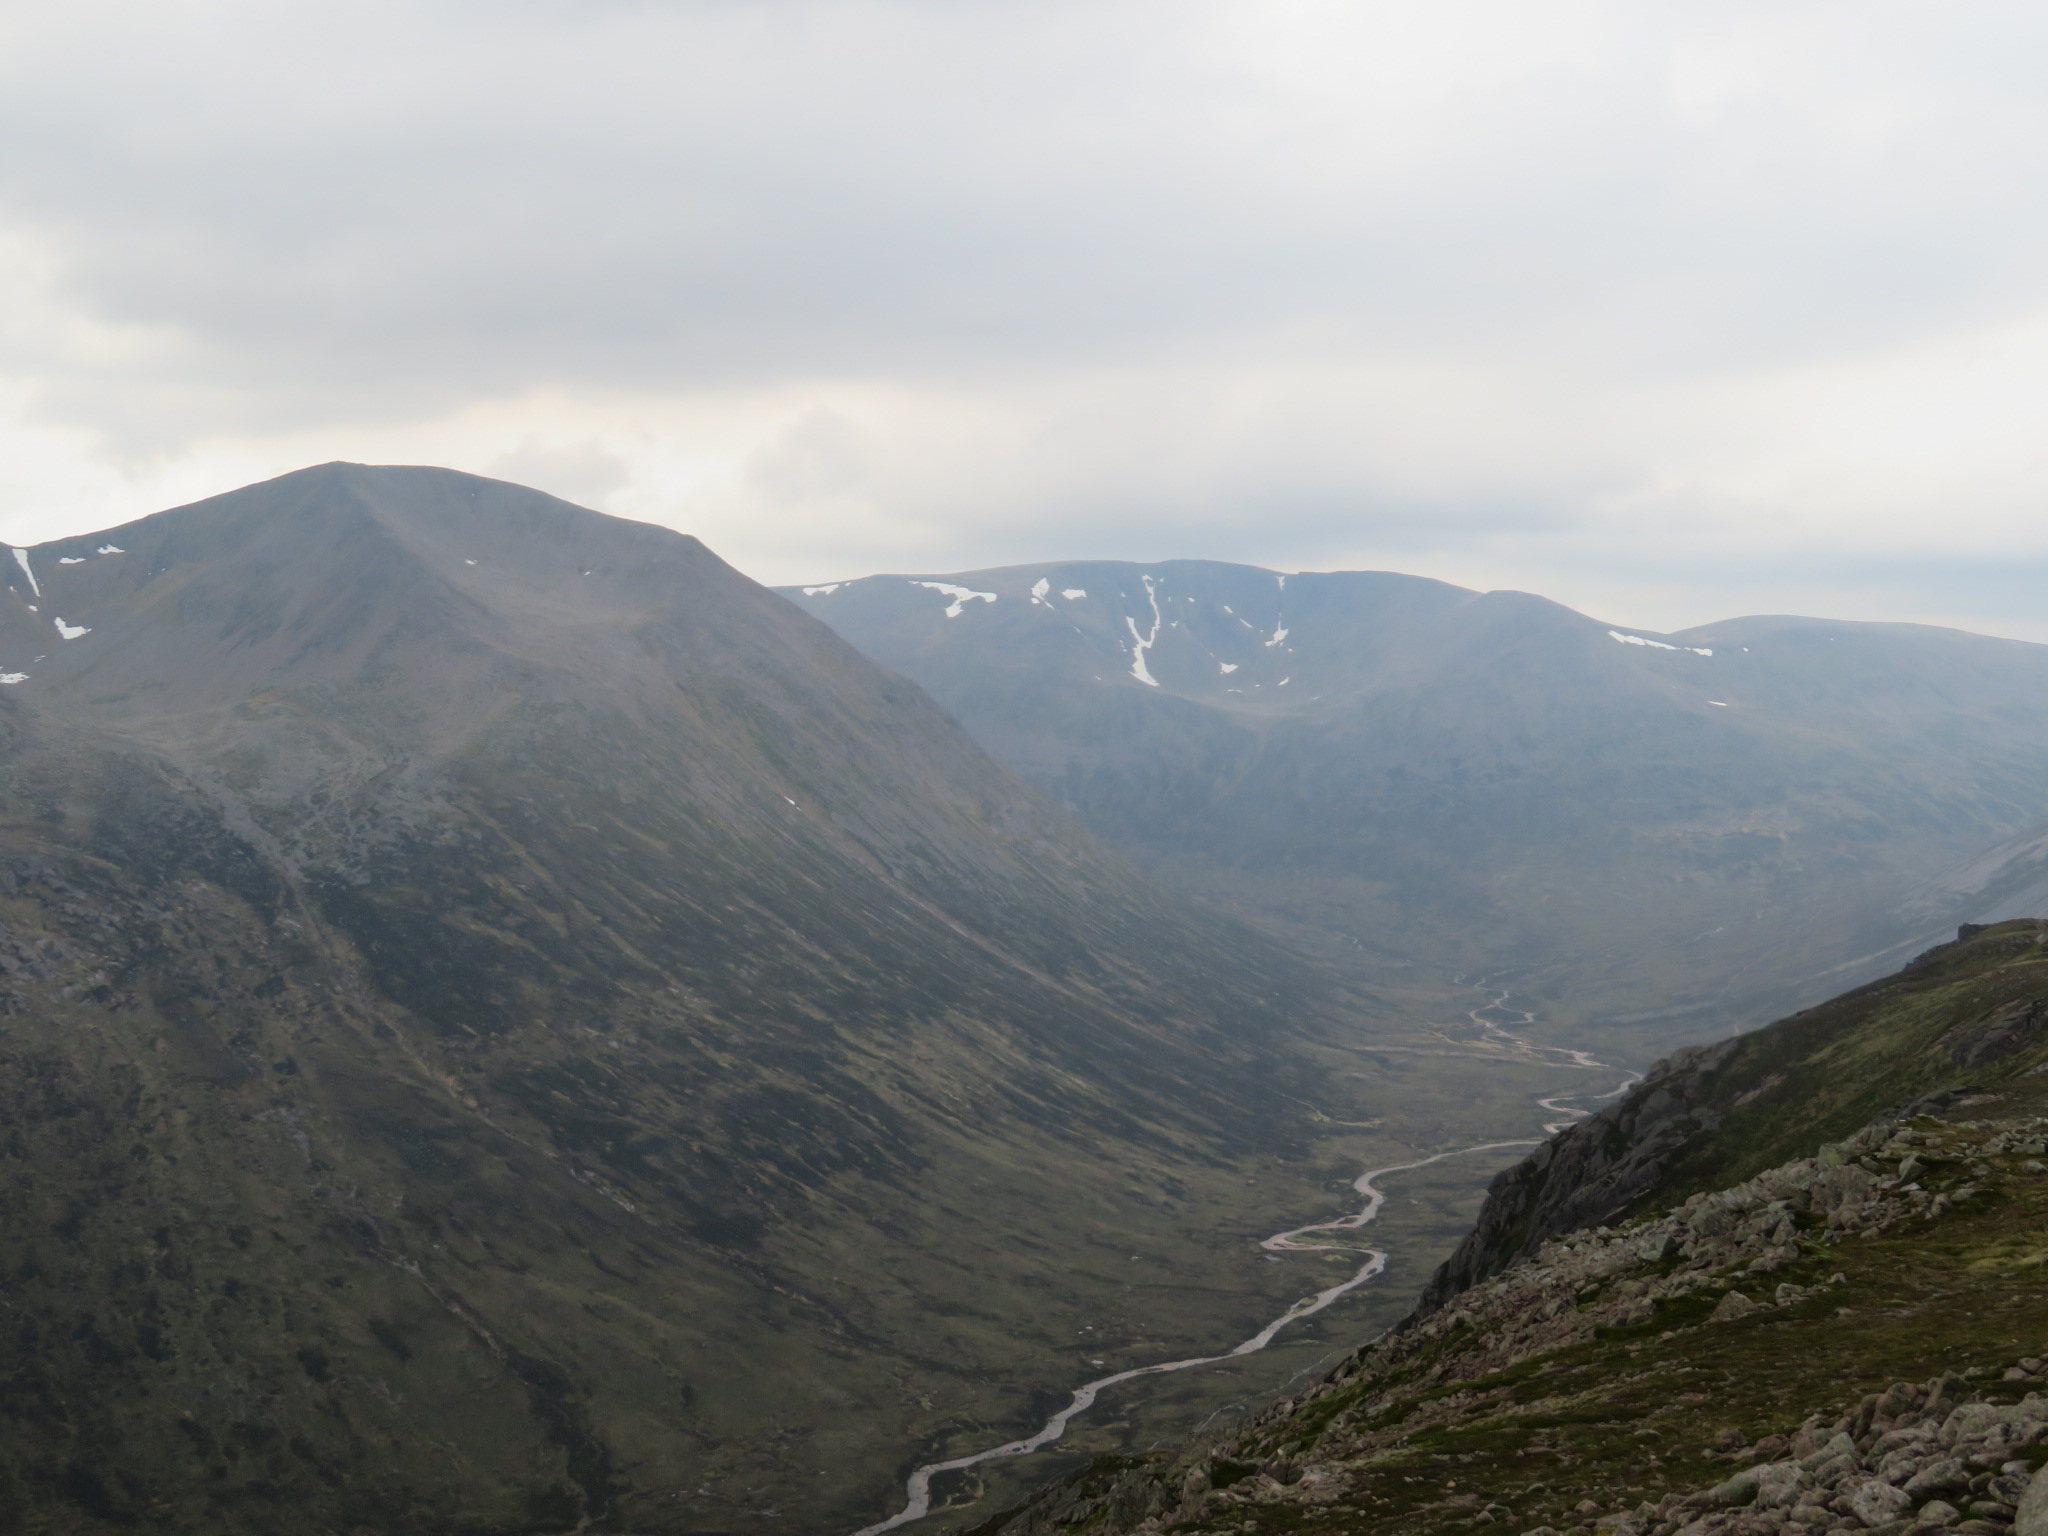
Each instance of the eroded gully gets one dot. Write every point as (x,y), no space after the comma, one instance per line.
(1504,1043)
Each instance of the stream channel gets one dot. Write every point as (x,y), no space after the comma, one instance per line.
(917,1489)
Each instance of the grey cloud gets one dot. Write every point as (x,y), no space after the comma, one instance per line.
(886,282)
(820,456)
(412,202)
(585,473)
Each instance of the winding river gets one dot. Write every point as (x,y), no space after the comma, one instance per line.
(918,1489)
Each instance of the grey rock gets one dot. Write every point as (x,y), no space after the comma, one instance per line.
(1732,1306)
(1876,1502)
(2031,1518)
(1737,1490)
(1780,1485)
(1945,1476)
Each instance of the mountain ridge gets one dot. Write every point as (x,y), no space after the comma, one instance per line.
(1622,824)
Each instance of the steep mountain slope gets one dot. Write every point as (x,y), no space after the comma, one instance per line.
(1695,1315)
(509,1026)
(1662,833)
(1959,1021)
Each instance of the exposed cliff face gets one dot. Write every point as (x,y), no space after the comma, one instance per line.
(1969,1013)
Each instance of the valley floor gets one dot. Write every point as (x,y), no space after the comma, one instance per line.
(1449,1105)
(1846,1343)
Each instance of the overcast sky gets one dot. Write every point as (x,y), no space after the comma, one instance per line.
(1669,311)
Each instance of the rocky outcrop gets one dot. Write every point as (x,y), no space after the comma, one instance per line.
(1960,1017)
(1648,1379)
(1587,1174)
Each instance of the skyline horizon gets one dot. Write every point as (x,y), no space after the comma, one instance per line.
(60,528)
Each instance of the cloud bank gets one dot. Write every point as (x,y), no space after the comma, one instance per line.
(1670,312)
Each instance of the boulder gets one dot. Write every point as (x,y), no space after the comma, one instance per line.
(1739,1489)
(2032,1517)
(1945,1476)
(1876,1502)
(1733,1305)
(1780,1485)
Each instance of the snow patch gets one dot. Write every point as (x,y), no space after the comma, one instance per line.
(1285,681)
(1038,590)
(110,549)
(961,596)
(70,631)
(21,559)
(1226,667)
(1657,645)
(1073,594)
(1717,703)
(469,562)
(1279,634)
(1145,642)
(11,678)
(71,559)
(825,591)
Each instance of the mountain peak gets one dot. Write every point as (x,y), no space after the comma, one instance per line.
(336,574)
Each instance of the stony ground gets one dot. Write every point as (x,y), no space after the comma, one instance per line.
(1848,1342)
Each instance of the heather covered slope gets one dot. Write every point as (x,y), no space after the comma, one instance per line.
(1816,1349)
(1794,1283)
(511,1027)
(1661,834)
(1960,1020)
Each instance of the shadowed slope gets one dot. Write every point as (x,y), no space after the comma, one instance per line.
(512,1027)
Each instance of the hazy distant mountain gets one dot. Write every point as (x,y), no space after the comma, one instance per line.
(1668,832)
(510,1026)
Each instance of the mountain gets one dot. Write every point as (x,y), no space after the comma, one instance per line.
(1731,1305)
(506,1025)
(1662,835)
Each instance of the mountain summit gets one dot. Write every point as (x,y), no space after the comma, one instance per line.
(510,1026)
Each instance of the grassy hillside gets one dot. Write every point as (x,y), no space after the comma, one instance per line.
(508,1027)
(1820,1347)
(1971,1014)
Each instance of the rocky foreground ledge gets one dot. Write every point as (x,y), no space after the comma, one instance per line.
(1732,1365)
